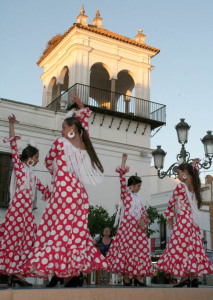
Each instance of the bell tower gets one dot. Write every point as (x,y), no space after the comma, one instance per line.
(88,58)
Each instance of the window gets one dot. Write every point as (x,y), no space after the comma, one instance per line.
(163,236)
(35,200)
(6,167)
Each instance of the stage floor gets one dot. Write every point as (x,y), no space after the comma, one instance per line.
(93,292)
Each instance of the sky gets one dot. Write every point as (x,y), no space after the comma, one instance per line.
(182,78)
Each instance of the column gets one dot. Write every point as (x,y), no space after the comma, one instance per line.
(138,101)
(113,100)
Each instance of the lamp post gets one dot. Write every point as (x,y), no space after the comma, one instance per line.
(182,129)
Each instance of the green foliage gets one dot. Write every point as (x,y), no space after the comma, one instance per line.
(99,218)
(153,215)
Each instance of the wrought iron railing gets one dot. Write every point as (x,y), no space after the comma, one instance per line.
(111,101)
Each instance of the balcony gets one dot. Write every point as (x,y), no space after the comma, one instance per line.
(114,104)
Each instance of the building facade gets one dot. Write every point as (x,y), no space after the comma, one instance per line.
(111,75)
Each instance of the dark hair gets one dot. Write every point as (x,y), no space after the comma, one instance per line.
(28,152)
(88,144)
(102,232)
(193,172)
(133,180)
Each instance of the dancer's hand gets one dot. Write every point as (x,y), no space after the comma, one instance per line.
(12,119)
(124,157)
(195,161)
(77,100)
(123,162)
(170,223)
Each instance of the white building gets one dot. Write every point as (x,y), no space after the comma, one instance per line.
(111,74)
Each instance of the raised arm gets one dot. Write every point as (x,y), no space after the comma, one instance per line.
(12,139)
(12,121)
(122,171)
(170,210)
(83,113)
(123,161)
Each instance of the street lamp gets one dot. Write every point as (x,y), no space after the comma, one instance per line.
(182,129)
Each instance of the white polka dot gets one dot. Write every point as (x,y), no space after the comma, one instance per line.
(75,230)
(69,200)
(62,216)
(65,238)
(59,162)
(67,211)
(55,205)
(44,261)
(80,224)
(82,233)
(63,194)
(49,222)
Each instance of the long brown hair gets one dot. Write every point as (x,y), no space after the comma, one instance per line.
(193,172)
(88,144)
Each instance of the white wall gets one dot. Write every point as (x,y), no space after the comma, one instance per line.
(44,126)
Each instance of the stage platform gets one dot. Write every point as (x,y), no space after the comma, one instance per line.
(108,293)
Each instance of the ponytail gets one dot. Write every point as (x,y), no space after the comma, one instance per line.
(197,186)
(193,172)
(91,151)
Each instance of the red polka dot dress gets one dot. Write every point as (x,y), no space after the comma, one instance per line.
(63,245)
(17,233)
(185,253)
(129,252)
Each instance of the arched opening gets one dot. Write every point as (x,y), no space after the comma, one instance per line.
(52,89)
(99,76)
(63,82)
(64,79)
(100,86)
(125,87)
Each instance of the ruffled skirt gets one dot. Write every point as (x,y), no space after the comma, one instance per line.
(17,234)
(129,252)
(185,252)
(63,245)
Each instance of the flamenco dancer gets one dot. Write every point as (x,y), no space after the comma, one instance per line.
(185,255)
(17,233)
(129,252)
(63,246)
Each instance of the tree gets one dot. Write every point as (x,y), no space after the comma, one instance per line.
(153,215)
(99,218)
